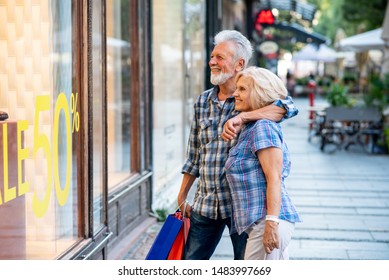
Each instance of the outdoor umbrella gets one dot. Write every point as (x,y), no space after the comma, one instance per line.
(370,40)
(312,53)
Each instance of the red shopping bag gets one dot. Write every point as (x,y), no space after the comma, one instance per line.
(178,247)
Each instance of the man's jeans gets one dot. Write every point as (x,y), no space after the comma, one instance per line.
(204,236)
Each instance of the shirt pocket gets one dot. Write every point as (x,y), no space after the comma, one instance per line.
(206,131)
(232,157)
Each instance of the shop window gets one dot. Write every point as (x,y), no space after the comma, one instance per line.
(178,67)
(40,142)
(119,83)
(97,108)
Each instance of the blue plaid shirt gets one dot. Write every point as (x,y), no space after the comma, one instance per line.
(207,152)
(247,180)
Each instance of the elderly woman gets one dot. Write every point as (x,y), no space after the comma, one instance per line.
(256,168)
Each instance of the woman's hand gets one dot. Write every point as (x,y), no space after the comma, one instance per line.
(270,237)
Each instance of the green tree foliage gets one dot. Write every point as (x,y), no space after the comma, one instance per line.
(371,13)
(330,17)
(349,15)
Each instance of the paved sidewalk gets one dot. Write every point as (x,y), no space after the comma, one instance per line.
(343,198)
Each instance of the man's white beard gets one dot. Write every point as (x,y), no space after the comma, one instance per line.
(219,79)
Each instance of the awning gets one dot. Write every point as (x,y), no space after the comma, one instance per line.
(303,35)
(305,10)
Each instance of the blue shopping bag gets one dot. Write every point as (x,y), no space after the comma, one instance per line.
(165,238)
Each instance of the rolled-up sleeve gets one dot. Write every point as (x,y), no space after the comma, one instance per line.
(289,106)
(191,165)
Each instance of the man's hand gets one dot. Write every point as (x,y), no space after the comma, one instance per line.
(186,184)
(184,206)
(232,127)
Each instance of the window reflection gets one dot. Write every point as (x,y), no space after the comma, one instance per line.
(97,109)
(119,90)
(178,67)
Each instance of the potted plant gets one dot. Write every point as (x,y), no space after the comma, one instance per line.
(378,91)
(337,95)
(386,132)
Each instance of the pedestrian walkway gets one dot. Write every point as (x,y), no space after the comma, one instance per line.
(343,198)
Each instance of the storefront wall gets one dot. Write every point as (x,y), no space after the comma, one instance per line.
(40,142)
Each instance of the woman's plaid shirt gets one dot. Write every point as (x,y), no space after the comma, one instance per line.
(207,152)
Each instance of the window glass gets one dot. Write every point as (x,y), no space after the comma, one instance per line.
(178,67)
(168,75)
(97,112)
(39,142)
(118,90)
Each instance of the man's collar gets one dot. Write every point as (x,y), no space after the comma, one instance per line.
(213,95)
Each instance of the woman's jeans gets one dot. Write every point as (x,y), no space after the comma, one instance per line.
(205,234)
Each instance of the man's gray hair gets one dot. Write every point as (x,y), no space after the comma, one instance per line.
(243,45)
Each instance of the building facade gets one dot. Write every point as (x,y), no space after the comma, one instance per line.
(99,96)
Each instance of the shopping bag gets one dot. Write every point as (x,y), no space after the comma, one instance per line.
(178,247)
(165,238)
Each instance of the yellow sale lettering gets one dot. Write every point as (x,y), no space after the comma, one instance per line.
(41,203)
(40,206)
(9,192)
(62,104)
(23,187)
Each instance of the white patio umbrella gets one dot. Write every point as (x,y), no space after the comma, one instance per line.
(320,56)
(311,53)
(385,38)
(370,40)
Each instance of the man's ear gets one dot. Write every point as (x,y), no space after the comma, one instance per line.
(240,65)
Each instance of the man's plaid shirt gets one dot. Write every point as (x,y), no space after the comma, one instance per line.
(207,152)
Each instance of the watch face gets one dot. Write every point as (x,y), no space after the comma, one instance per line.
(3,116)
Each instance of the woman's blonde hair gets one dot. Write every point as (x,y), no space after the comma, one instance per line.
(267,87)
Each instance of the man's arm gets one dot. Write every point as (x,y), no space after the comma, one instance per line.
(288,105)
(190,170)
(278,111)
(187,182)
